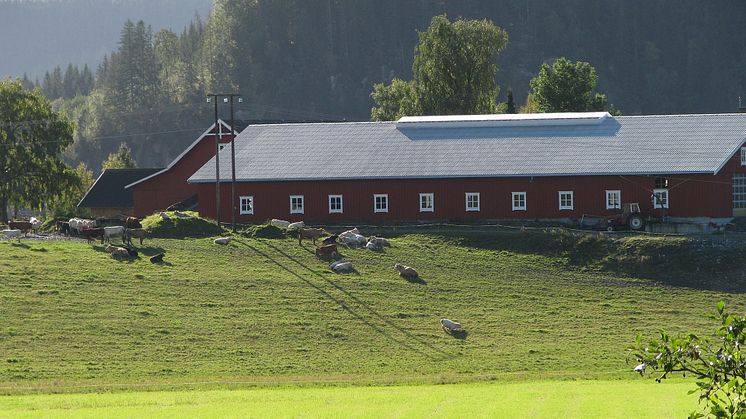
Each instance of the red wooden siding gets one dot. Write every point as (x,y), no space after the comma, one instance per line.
(167,188)
(690,196)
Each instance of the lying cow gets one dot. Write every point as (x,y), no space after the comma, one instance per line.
(310,233)
(329,250)
(406,272)
(139,233)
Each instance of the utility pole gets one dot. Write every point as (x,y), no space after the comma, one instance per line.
(217,132)
(234,205)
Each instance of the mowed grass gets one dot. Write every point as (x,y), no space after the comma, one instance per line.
(268,311)
(564,399)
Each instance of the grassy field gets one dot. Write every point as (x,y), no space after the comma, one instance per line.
(564,399)
(267,311)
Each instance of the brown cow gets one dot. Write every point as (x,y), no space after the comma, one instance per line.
(132,222)
(24,226)
(310,233)
(329,250)
(91,233)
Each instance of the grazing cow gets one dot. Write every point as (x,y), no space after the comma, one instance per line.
(157,258)
(24,226)
(110,232)
(310,233)
(139,233)
(92,233)
(63,227)
(35,224)
(132,222)
(329,250)
(13,234)
(406,272)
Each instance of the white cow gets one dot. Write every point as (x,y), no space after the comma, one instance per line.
(110,232)
(296,226)
(282,224)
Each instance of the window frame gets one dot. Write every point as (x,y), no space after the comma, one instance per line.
(609,193)
(478,208)
(743,156)
(385,197)
(430,195)
(302,204)
(251,205)
(656,203)
(513,196)
(341,204)
(570,207)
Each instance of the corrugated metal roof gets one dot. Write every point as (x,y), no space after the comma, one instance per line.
(108,191)
(627,145)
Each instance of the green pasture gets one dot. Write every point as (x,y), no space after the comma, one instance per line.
(266,312)
(555,399)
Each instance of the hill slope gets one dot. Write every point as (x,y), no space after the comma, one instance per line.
(269,310)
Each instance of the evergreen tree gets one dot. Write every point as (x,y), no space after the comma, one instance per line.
(510,104)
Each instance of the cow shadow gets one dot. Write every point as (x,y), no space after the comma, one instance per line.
(21,245)
(459,334)
(416,280)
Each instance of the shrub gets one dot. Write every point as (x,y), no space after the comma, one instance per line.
(265,231)
(179,227)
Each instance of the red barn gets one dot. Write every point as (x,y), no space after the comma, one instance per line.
(169,186)
(524,166)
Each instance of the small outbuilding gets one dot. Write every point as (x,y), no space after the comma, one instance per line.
(108,197)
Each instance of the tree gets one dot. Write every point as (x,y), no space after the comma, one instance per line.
(510,104)
(566,87)
(719,366)
(394,100)
(454,72)
(80,181)
(122,159)
(32,138)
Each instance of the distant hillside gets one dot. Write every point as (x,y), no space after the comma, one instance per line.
(36,36)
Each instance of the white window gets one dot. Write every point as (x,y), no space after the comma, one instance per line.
(739,190)
(472,201)
(296,204)
(380,203)
(335,204)
(246,205)
(743,156)
(519,201)
(566,201)
(427,202)
(660,198)
(613,199)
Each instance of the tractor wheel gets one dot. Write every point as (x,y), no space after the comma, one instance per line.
(610,228)
(636,222)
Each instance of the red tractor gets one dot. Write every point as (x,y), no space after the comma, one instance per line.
(631,218)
